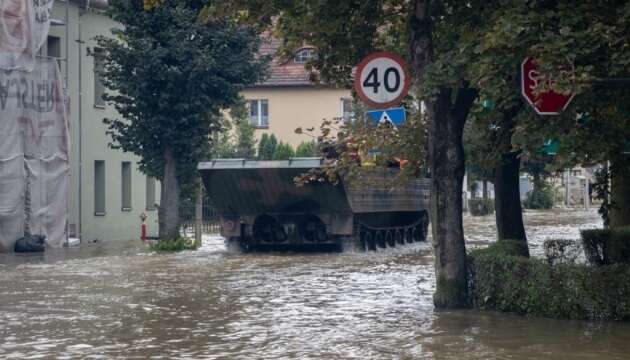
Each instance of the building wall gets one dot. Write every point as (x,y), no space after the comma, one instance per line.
(289,108)
(89,141)
(293,107)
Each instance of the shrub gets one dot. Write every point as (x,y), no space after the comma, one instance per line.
(607,246)
(261,146)
(245,141)
(172,245)
(561,251)
(539,199)
(595,246)
(267,149)
(283,152)
(504,282)
(480,206)
(306,149)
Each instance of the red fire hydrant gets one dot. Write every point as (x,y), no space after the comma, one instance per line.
(143,227)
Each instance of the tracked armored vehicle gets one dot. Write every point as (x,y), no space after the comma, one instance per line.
(260,207)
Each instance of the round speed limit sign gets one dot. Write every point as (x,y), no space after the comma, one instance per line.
(382,79)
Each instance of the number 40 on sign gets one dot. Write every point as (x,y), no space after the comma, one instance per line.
(382,79)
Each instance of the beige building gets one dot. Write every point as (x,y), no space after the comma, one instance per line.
(288,99)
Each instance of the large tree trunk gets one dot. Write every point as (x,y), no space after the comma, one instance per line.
(620,195)
(168,212)
(446,153)
(507,201)
(447,170)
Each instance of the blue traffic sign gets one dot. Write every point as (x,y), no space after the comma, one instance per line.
(395,116)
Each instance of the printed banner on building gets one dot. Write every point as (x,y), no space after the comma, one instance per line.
(24,26)
(34,168)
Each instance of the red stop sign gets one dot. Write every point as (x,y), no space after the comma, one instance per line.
(547,103)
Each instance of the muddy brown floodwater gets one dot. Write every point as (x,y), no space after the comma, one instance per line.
(119,300)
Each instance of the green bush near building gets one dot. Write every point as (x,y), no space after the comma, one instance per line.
(502,281)
(539,198)
(267,146)
(283,152)
(307,149)
(173,245)
(480,206)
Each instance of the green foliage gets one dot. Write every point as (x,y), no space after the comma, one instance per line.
(342,32)
(240,143)
(307,149)
(601,189)
(539,198)
(245,140)
(503,282)
(561,251)
(480,206)
(356,149)
(267,147)
(173,245)
(170,76)
(607,246)
(261,145)
(283,152)
(223,145)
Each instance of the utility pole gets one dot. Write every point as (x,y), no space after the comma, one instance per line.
(199,213)
(566,187)
(586,182)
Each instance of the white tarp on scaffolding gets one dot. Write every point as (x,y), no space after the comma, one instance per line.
(34,168)
(24,26)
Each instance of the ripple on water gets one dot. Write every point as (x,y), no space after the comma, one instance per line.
(114,300)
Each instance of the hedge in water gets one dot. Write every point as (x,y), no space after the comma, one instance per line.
(539,198)
(480,206)
(607,246)
(501,281)
(172,245)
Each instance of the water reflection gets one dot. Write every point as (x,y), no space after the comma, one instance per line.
(120,300)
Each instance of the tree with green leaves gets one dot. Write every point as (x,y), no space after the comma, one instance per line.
(462,53)
(264,138)
(235,144)
(437,37)
(169,77)
(283,152)
(268,148)
(307,149)
(580,48)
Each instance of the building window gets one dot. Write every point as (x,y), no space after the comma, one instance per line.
(53,47)
(259,113)
(99,188)
(126,185)
(99,88)
(347,110)
(150,193)
(304,55)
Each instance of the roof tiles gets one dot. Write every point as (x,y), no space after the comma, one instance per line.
(283,72)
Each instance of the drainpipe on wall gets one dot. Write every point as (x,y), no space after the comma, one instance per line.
(80,116)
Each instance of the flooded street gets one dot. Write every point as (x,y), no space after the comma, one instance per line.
(119,300)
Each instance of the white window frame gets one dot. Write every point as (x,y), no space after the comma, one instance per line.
(301,58)
(259,120)
(343,116)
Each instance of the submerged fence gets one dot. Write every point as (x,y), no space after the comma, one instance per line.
(210,223)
